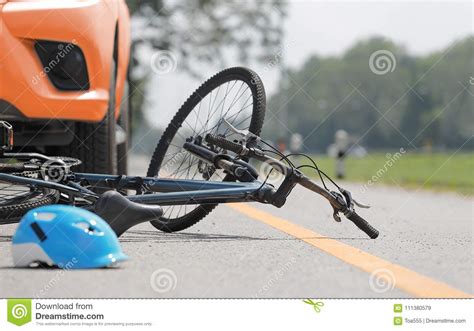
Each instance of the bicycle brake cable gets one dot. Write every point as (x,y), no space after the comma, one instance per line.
(315,166)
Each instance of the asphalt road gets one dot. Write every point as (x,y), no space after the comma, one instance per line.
(425,246)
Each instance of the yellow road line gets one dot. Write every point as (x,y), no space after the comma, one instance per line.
(405,279)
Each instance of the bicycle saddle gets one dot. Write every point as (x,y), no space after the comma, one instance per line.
(122,214)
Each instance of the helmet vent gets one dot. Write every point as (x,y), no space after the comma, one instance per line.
(38,231)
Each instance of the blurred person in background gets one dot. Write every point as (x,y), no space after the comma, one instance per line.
(341,143)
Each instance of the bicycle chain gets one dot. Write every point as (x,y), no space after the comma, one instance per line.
(29,174)
(70,162)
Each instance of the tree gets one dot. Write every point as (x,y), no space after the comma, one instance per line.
(203,32)
(412,102)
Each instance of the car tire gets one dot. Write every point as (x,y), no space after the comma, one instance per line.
(94,143)
(124,122)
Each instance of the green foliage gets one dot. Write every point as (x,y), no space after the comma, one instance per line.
(424,101)
(442,171)
(198,31)
(202,32)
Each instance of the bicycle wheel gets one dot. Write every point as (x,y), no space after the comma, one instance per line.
(235,94)
(17,199)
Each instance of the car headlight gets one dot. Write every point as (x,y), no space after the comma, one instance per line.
(64,64)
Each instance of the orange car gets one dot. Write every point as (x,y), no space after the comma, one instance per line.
(63,73)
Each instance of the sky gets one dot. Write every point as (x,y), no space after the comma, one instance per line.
(329,28)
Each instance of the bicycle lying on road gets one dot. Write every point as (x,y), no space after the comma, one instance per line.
(204,158)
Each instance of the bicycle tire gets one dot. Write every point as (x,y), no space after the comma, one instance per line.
(254,83)
(11,213)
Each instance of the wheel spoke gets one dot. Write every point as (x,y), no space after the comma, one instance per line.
(232,100)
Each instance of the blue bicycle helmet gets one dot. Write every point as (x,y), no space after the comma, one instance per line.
(67,237)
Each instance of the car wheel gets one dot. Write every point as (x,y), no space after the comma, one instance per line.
(94,143)
(124,131)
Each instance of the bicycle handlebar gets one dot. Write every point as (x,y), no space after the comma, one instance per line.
(336,202)
(363,225)
(224,143)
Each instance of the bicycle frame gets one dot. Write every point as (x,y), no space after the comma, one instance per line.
(181,191)
(168,191)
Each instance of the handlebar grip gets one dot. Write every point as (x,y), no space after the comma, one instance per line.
(363,225)
(224,143)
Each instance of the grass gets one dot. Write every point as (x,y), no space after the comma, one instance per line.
(437,171)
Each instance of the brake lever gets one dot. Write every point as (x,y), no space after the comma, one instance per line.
(345,199)
(350,201)
(360,205)
(247,135)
